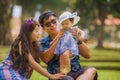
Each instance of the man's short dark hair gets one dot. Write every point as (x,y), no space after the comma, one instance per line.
(45,15)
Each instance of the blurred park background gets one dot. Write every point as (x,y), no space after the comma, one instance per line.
(100,19)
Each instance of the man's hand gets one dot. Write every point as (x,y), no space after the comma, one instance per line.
(78,34)
(60,35)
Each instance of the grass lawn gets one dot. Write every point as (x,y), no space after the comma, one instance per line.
(108,75)
(37,76)
(102,54)
(102,75)
(103,59)
(107,63)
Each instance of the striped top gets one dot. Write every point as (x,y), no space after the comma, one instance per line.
(8,73)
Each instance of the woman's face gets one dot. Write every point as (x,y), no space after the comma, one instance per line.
(35,35)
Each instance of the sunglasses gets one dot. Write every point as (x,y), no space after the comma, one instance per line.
(53,21)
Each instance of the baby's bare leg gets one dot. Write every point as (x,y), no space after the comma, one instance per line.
(65,62)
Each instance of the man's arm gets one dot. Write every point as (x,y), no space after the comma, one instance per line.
(48,54)
(83,48)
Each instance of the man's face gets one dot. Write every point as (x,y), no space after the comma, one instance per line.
(50,25)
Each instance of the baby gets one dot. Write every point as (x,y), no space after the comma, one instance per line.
(67,47)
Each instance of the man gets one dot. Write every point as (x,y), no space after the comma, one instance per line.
(49,22)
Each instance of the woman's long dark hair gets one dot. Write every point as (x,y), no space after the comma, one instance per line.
(26,46)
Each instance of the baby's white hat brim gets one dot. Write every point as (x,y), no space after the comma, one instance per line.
(67,15)
(76,20)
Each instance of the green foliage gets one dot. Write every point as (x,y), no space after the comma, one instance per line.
(114,7)
(42,5)
(5,16)
(92,10)
(107,35)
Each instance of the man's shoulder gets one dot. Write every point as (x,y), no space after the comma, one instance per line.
(45,43)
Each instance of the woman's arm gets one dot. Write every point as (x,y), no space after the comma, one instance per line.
(39,69)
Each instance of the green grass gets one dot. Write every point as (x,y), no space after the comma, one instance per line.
(107,63)
(102,64)
(102,75)
(4,49)
(108,75)
(101,54)
(37,76)
(3,52)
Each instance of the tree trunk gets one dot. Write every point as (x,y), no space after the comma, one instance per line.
(102,14)
(100,36)
(5,16)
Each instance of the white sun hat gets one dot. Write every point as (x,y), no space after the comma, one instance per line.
(67,15)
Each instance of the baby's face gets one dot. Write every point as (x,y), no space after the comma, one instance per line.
(66,24)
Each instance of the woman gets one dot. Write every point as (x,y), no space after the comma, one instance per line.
(24,55)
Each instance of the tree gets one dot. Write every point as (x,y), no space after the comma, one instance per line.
(5,16)
(92,10)
(30,6)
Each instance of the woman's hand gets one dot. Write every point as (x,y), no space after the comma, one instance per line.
(56,76)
